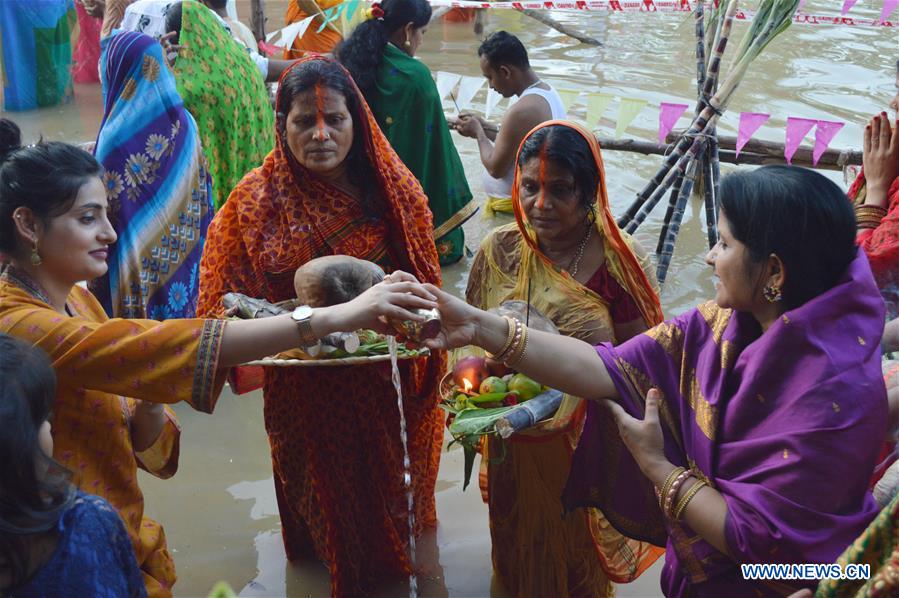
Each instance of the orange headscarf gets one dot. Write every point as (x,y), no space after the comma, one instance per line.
(634,278)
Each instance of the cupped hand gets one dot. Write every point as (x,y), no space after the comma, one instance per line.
(880,154)
(643,438)
(170,51)
(393,298)
(468,126)
(458,321)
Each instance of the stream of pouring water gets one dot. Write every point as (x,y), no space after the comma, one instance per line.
(407,464)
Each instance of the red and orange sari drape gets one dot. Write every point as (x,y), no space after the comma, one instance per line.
(335,431)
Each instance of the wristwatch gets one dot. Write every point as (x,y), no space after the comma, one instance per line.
(303,317)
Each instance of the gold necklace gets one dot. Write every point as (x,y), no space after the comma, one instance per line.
(572,267)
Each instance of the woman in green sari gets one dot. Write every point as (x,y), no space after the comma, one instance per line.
(403,97)
(225,92)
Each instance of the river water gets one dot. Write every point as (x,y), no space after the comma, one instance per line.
(220,513)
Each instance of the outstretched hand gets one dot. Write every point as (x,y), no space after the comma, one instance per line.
(393,298)
(458,321)
(643,438)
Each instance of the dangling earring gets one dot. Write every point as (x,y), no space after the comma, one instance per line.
(772,293)
(407,43)
(36,257)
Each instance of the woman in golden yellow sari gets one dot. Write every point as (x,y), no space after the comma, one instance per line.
(114,375)
(569,260)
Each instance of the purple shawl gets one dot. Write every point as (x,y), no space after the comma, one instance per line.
(786,425)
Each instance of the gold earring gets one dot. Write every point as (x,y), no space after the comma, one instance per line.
(36,257)
(772,293)
(407,44)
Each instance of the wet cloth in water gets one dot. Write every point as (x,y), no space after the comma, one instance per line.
(93,556)
(37,52)
(334,432)
(537,551)
(764,418)
(100,363)
(408,109)
(225,92)
(155,176)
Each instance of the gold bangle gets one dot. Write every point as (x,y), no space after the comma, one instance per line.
(672,492)
(685,500)
(518,351)
(667,485)
(510,336)
(871,209)
(516,338)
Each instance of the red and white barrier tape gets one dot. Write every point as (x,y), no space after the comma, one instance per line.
(669,6)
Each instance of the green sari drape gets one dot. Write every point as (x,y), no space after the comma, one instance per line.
(224,91)
(409,111)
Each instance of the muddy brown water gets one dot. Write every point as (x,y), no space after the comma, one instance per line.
(220,513)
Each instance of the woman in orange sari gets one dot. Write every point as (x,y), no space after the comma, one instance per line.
(114,375)
(566,256)
(332,186)
(312,40)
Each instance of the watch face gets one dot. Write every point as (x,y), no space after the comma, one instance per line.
(302,312)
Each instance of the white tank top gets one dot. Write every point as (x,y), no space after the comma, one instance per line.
(503,187)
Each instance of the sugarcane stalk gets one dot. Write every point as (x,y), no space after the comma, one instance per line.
(711,194)
(709,109)
(674,228)
(672,203)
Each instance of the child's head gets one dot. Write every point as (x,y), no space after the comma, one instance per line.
(33,489)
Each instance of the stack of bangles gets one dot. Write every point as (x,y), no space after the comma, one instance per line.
(869,216)
(516,343)
(668,493)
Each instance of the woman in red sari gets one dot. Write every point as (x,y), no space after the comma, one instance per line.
(875,194)
(332,186)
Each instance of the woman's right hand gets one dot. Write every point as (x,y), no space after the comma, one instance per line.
(880,158)
(459,320)
(393,298)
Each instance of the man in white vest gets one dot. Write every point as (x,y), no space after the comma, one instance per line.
(504,62)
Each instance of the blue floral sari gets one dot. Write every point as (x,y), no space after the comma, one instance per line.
(160,193)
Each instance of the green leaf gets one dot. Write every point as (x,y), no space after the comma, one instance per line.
(469,464)
(474,422)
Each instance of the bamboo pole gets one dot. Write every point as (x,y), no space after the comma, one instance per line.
(540,15)
(257,18)
(832,159)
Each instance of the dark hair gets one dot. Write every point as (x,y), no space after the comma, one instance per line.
(218,4)
(503,48)
(44,178)
(567,148)
(302,78)
(362,52)
(797,214)
(30,502)
(173,20)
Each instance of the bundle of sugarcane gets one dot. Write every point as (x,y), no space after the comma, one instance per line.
(772,18)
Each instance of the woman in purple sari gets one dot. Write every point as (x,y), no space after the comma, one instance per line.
(745,430)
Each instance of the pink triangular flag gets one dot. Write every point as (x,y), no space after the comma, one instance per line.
(888,7)
(668,115)
(749,124)
(847,6)
(823,136)
(797,129)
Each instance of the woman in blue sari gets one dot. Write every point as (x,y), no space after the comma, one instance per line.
(160,194)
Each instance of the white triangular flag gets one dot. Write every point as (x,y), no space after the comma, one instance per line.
(293,31)
(468,87)
(627,112)
(596,106)
(493,100)
(568,97)
(446,82)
